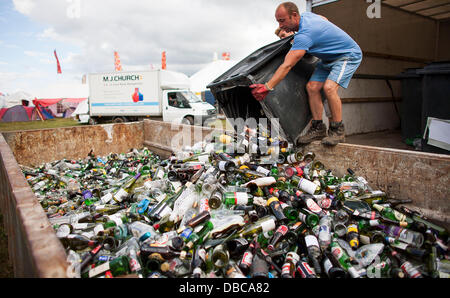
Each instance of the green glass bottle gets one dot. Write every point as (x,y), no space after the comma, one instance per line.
(118,266)
(290,212)
(237,198)
(198,238)
(306,216)
(263,238)
(343,258)
(115,220)
(123,192)
(393,214)
(264,224)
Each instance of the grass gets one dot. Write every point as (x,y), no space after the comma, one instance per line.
(38,124)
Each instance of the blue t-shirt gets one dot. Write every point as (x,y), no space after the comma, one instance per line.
(323,39)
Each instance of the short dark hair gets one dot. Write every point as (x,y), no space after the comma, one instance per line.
(290,7)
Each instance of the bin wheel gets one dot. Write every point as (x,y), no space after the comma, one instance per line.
(188,120)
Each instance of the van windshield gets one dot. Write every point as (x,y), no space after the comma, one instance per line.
(191,97)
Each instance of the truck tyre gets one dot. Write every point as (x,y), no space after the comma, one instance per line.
(92,121)
(119,119)
(188,120)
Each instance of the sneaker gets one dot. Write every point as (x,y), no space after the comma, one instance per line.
(335,135)
(314,133)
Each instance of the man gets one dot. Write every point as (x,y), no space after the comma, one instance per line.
(340,57)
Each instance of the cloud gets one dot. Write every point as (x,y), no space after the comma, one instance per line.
(24,6)
(189,31)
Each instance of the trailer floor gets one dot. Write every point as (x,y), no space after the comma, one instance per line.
(385,139)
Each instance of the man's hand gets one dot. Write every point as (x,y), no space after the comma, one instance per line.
(259,91)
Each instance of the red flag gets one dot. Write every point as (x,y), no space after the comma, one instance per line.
(163,60)
(57,62)
(117,63)
(226,56)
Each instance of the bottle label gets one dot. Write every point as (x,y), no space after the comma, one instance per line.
(337,252)
(304,270)
(148,184)
(399,216)
(204,205)
(186,234)
(302,217)
(282,229)
(286,269)
(312,205)
(311,240)
(291,158)
(80,226)
(159,174)
(364,239)
(241,198)
(120,195)
(222,165)
(307,186)
(106,198)
(203,158)
(362,180)
(99,269)
(98,228)
(116,219)
(325,203)
(134,265)
(247,258)
(408,268)
(268,225)
(327,265)
(263,170)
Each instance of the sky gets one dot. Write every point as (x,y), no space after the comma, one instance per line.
(85,34)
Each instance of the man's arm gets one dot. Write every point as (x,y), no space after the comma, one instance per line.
(289,62)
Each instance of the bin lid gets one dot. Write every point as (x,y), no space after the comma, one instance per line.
(250,64)
(438,67)
(409,73)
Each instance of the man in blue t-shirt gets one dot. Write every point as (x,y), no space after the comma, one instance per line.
(340,57)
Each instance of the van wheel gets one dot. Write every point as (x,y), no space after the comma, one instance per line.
(188,120)
(92,121)
(119,120)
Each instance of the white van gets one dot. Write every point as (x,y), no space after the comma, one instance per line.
(135,95)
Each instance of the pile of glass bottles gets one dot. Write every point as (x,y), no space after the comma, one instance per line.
(265,211)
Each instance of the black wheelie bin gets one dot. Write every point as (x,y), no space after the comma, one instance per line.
(435,94)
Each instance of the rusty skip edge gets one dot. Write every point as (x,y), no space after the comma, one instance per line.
(382,168)
(34,249)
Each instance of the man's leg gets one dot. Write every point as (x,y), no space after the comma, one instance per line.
(315,99)
(318,129)
(334,101)
(336,131)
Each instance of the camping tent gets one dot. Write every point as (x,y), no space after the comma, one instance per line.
(60,107)
(18,113)
(206,75)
